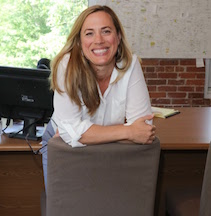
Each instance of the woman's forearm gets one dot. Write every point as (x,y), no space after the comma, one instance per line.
(98,134)
(138,132)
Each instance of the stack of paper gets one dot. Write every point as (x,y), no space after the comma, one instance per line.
(164,112)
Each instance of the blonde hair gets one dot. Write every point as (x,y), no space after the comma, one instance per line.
(79,75)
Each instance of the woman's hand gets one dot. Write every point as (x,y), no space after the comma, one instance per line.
(56,134)
(142,132)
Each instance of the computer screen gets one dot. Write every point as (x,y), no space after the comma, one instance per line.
(25,95)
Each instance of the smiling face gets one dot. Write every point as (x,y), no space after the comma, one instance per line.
(99,39)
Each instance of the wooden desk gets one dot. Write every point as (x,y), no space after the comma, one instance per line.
(21,178)
(13,144)
(184,141)
(191,129)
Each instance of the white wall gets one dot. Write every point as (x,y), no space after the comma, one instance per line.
(165,28)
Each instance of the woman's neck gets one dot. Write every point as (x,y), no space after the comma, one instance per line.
(103,76)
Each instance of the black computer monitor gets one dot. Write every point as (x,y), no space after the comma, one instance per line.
(25,95)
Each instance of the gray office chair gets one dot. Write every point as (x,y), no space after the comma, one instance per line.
(102,180)
(195,201)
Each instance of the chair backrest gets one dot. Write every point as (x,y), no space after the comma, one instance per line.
(100,180)
(205,202)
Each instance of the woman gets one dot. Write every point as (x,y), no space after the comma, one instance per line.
(100,95)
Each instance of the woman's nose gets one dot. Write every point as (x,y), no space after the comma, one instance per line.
(99,38)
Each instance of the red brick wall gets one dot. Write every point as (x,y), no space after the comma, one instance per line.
(175,82)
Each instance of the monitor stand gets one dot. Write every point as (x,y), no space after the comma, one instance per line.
(29,127)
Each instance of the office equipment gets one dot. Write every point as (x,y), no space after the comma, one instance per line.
(25,95)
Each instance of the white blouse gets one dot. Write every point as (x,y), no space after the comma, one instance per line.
(127,99)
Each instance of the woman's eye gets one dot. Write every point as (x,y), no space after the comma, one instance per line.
(88,34)
(106,31)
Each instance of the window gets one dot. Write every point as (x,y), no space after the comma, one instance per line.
(207,86)
(34,29)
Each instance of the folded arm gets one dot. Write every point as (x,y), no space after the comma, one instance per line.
(138,132)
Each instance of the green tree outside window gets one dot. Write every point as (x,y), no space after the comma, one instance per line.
(35,29)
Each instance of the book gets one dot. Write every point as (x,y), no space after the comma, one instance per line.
(164,112)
